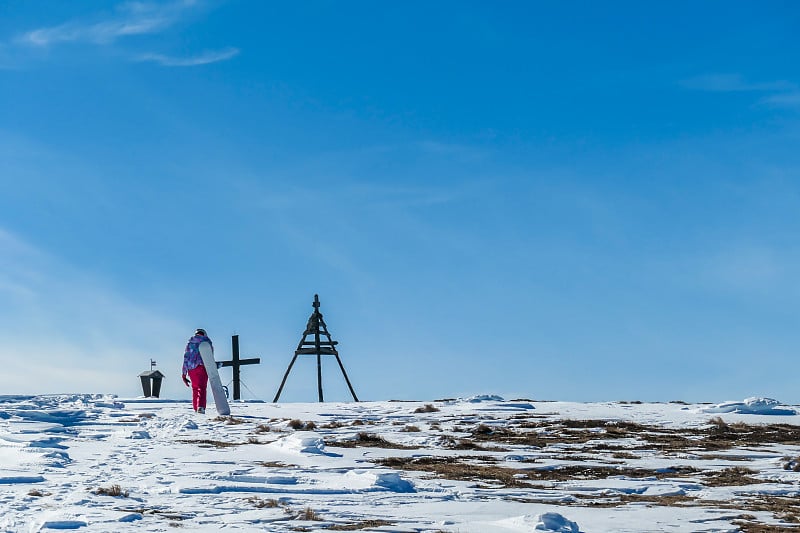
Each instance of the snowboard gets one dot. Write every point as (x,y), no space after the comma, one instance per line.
(220,400)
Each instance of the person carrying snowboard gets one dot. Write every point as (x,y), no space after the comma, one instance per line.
(195,370)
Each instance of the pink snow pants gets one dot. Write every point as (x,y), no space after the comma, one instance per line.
(199,378)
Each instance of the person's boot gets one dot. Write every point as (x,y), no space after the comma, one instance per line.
(201,410)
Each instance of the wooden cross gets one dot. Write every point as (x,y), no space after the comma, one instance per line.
(236,363)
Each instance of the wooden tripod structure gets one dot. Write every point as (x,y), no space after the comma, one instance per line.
(318,346)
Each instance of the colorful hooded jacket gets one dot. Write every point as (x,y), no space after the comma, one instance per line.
(191,357)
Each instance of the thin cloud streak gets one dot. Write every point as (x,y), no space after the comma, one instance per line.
(788,100)
(777,94)
(136,18)
(212,56)
(735,83)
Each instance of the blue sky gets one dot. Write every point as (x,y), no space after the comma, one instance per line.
(562,200)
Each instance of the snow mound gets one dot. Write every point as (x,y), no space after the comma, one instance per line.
(751,406)
(301,442)
(555,522)
(393,482)
(360,480)
(485,398)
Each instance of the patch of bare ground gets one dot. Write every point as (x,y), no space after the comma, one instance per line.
(447,441)
(735,476)
(717,436)
(368,440)
(229,420)
(746,526)
(741,434)
(309,514)
(673,500)
(209,443)
(273,464)
(456,468)
(580,472)
(783,508)
(355,526)
(725,457)
(483,468)
(626,455)
(113,490)
(169,515)
(299,425)
(791,463)
(259,503)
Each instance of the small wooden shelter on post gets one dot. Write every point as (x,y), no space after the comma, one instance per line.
(316,346)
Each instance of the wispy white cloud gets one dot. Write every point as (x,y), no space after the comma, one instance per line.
(788,99)
(211,56)
(131,18)
(735,83)
(776,93)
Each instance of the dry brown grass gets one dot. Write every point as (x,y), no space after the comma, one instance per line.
(427,408)
(229,420)
(259,503)
(273,464)
(369,440)
(456,468)
(483,468)
(209,443)
(734,476)
(309,514)
(783,508)
(114,491)
(355,526)
(717,436)
(791,463)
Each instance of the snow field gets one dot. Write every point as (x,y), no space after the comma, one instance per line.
(93,463)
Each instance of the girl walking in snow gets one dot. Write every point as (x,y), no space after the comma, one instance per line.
(195,370)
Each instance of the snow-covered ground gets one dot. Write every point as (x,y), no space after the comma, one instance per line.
(483,464)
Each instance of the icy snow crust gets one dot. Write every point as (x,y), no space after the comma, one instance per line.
(59,455)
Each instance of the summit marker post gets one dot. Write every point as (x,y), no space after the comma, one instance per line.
(318,346)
